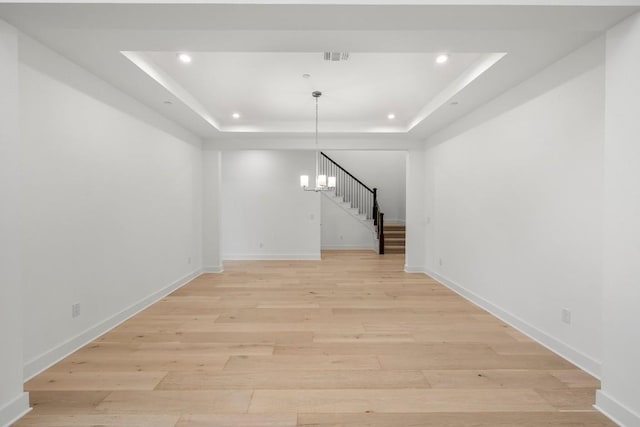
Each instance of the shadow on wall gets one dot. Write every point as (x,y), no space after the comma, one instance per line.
(580,62)
(42,59)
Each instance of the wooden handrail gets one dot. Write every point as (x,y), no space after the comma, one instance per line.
(346,171)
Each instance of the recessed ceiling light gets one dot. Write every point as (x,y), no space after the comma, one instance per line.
(391,116)
(454,103)
(185,58)
(306,76)
(167,102)
(236,115)
(441,59)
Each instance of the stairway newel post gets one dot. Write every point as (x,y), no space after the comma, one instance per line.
(375,206)
(381,233)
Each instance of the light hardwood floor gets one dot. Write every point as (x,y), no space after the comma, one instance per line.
(348,341)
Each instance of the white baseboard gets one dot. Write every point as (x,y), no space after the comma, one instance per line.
(413,269)
(615,410)
(347,248)
(39,363)
(212,269)
(14,410)
(271,257)
(569,353)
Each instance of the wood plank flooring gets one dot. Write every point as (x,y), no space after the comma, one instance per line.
(351,340)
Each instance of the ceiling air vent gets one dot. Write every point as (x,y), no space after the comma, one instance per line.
(336,56)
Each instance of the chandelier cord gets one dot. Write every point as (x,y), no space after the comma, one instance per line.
(317,156)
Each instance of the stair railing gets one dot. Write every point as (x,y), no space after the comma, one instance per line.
(357,194)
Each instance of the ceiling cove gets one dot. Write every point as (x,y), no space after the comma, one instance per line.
(364,92)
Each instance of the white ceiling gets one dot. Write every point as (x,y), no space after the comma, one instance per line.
(249,58)
(269,91)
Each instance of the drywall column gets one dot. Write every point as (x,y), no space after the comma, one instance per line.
(429,192)
(13,401)
(211,241)
(415,246)
(619,397)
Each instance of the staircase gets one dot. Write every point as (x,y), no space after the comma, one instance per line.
(362,203)
(348,206)
(394,238)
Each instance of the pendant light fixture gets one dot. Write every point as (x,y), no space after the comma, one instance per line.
(322,182)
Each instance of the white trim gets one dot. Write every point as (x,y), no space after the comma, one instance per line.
(39,363)
(395,221)
(369,2)
(14,410)
(615,410)
(347,248)
(411,269)
(569,353)
(273,257)
(213,269)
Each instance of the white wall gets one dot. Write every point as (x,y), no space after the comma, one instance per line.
(112,205)
(341,230)
(384,170)
(515,204)
(620,396)
(13,402)
(211,218)
(265,214)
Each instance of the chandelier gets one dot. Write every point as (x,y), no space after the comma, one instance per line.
(322,182)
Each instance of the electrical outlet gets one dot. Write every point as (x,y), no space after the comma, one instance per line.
(440,261)
(75,310)
(566,316)
(261,244)
(189,260)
